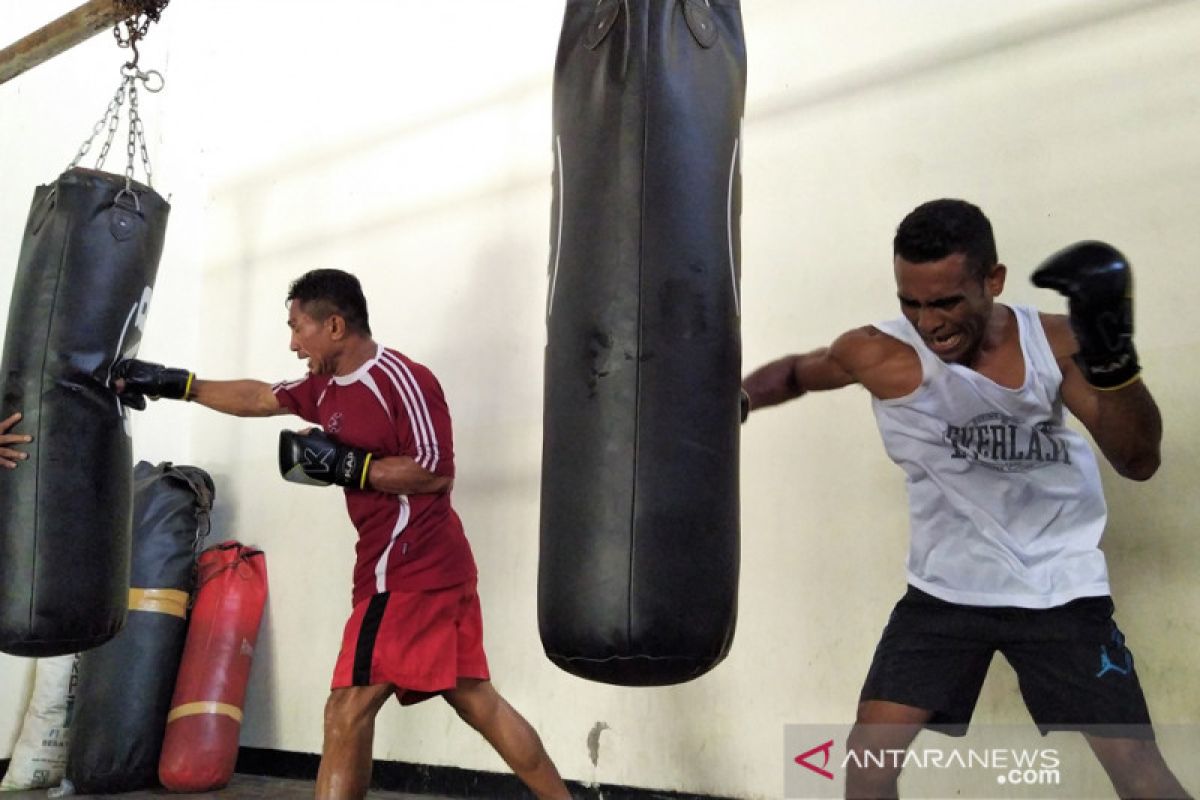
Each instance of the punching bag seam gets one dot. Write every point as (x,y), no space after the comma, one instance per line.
(634,497)
(559,232)
(37,475)
(733,170)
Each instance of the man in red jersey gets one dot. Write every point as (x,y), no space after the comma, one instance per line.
(415,630)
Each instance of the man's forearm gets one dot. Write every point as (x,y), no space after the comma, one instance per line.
(242,398)
(773,383)
(403,475)
(1129,430)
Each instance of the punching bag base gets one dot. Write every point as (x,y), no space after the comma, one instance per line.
(637,670)
(54,647)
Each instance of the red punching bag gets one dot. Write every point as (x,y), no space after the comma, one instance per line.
(201,743)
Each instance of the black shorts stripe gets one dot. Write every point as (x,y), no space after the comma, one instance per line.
(364,649)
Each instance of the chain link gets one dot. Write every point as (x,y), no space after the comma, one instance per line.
(137,138)
(113,122)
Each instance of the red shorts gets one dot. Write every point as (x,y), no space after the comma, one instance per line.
(420,642)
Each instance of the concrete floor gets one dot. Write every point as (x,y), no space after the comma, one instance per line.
(242,787)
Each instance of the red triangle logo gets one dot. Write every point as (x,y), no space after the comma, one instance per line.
(802,759)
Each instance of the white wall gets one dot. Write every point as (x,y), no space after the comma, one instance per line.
(410,143)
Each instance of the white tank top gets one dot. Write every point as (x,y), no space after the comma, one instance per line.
(1005,502)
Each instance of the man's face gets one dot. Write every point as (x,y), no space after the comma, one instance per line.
(311,339)
(947,306)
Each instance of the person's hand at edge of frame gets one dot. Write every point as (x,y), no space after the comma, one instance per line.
(9,456)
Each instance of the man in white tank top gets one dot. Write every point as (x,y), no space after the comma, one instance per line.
(1005,503)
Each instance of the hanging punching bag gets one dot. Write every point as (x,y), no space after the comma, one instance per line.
(637,576)
(79,302)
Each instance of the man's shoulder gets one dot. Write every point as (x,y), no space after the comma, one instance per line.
(884,365)
(1059,335)
(308,381)
(406,370)
(869,346)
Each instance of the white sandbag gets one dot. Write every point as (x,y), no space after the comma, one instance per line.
(39,758)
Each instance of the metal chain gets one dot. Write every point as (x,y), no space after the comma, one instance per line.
(113,122)
(136,141)
(109,118)
(136,137)
(140,13)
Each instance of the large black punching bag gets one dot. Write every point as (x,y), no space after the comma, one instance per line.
(637,575)
(79,302)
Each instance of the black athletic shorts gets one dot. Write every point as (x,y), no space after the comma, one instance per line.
(1074,669)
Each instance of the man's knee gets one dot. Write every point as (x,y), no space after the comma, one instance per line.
(476,702)
(348,710)
(1136,767)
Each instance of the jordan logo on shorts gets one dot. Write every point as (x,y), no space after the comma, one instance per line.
(1106,662)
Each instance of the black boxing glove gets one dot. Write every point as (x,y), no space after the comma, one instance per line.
(316,459)
(146,379)
(744,404)
(1098,284)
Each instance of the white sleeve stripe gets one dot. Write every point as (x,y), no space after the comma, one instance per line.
(429,455)
(418,415)
(288,384)
(369,382)
(434,454)
(408,406)
(420,431)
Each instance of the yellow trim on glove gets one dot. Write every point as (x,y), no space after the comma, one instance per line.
(362,484)
(187,389)
(1129,382)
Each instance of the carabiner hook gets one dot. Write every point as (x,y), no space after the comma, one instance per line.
(133,39)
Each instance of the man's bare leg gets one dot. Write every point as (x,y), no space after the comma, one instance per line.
(482,707)
(1136,767)
(881,727)
(345,771)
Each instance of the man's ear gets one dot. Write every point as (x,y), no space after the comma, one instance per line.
(995,280)
(336,324)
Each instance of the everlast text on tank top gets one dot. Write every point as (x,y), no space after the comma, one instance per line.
(1005,502)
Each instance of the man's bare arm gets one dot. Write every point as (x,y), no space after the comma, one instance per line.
(241,398)
(863,355)
(403,475)
(1125,422)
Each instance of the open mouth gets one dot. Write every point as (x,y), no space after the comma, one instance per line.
(944,343)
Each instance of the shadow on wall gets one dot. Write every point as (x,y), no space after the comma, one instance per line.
(262,690)
(932,60)
(1152,557)
(254,201)
(260,704)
